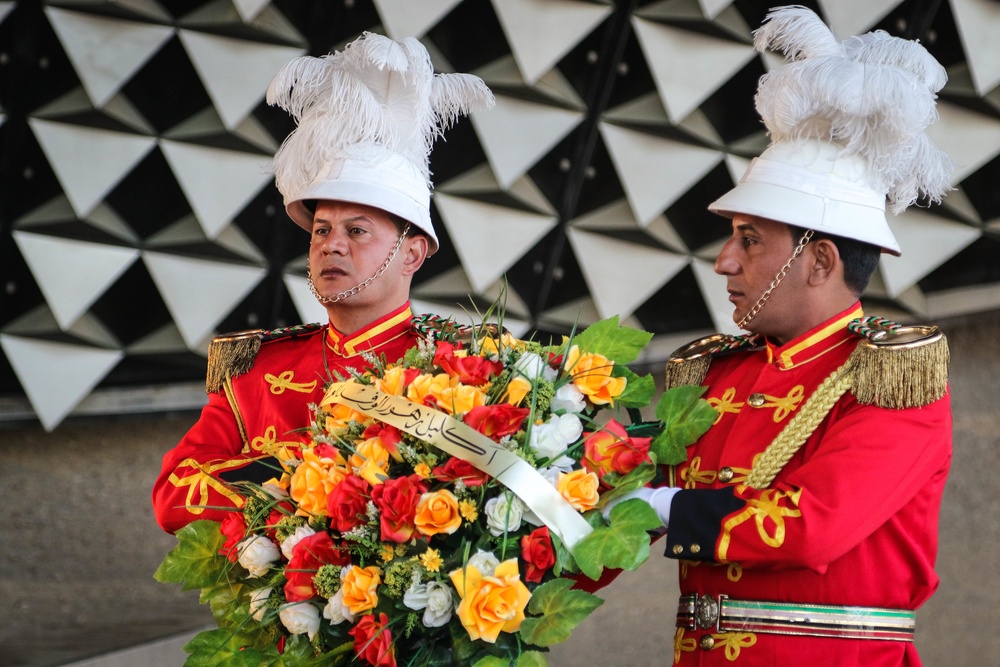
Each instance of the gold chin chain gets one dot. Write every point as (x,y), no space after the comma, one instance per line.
(360,286)
(742,324)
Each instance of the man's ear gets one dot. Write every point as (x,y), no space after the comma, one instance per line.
(414,252)
(826,262)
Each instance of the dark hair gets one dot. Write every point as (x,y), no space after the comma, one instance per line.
(860,259)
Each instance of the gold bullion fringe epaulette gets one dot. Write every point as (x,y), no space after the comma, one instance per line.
(898,366)
(233,354)
(689,364)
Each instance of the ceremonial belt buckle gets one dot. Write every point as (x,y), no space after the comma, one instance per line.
(701,612)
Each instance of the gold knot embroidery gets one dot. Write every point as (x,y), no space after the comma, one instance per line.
(785,406)
(734,642)
(279,383)
(767,507)
(683,645)
(201,480)
(725,403)
(268,444)
(693,475)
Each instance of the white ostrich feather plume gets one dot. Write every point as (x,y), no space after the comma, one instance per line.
(376,92)
(874,95)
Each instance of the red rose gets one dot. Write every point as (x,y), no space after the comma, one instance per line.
(389,435)
(471,370)
(347,503)
(373,641)
(496,421)
(612,450)
(307,557)
(397,500)
(234,529)
(538,553)
(278,512)
(455,468)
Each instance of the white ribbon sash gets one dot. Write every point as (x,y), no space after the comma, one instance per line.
(458,439)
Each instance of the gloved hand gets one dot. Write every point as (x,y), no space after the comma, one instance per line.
(659,499)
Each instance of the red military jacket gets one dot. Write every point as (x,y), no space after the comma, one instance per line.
(261,408)
(852,519)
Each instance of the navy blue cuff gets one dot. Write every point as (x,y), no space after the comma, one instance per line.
(696,517)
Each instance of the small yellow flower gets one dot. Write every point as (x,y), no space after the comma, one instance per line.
(467,508)
(517,389)
(431,560)
(422,470)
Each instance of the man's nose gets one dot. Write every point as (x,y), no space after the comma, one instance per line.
(725,263)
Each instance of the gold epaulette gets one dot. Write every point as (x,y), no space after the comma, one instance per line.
(898,366)
(688,364)
(233,354)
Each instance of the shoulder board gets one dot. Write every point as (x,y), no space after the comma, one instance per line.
(688,364)
(233,354)
(898,366)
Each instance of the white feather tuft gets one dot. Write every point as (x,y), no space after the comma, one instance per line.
(872,95)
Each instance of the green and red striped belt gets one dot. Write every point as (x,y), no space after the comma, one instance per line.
(722,614)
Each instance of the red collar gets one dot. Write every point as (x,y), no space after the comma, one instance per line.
(387,328)
(815,342)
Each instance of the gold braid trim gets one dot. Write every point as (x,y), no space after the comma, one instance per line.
(800,427)
(682,372)
(231,355)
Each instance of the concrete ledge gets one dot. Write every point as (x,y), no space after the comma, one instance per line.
(167,652)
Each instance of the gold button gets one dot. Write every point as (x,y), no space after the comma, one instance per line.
(678,549)
(707,642)
(695,548)
(726,475)
(756,400)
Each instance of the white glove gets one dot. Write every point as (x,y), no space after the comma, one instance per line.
(659,499)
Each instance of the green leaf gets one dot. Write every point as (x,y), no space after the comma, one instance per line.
(492,661)
(622,484)
(685,416)
(299,652)
(561,609)
(532,659)
(639,389)
(195,562)
(225,600)
(624,544)
(220,648)
(621,344)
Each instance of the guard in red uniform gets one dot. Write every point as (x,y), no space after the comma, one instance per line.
(805,520)
(354,174)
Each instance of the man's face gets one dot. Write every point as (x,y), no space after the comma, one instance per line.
(350,243)
(750,260)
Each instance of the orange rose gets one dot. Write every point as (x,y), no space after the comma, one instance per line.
(315,478)
(491,604)
(337,416)
(580,489)
(359,585)
(488,346)
(591,374)
(437,512)
(612,450)
(395,380)
(370,460)
(461,399)
(425,388)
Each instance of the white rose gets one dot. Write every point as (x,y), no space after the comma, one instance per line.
(485,562)
(335,611)
(568,399)
(256,554)
(415,596)
(439,605)
(258,603)
(550,439)
(531,366)
(301,618)
(300,534)
(503,514)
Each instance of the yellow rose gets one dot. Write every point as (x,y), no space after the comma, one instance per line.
(580,489)
(591,374)
(313,480)
(491,604)
(517,389)
(488,346)
(337,416)
(370,460)
(461,399)
(393,381)
(437,512)
(427,385)
(359,585)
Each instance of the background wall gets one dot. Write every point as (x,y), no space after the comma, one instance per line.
(79,544)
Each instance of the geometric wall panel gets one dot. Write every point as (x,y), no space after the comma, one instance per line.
(852,17)
(405,18)
(978,23)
